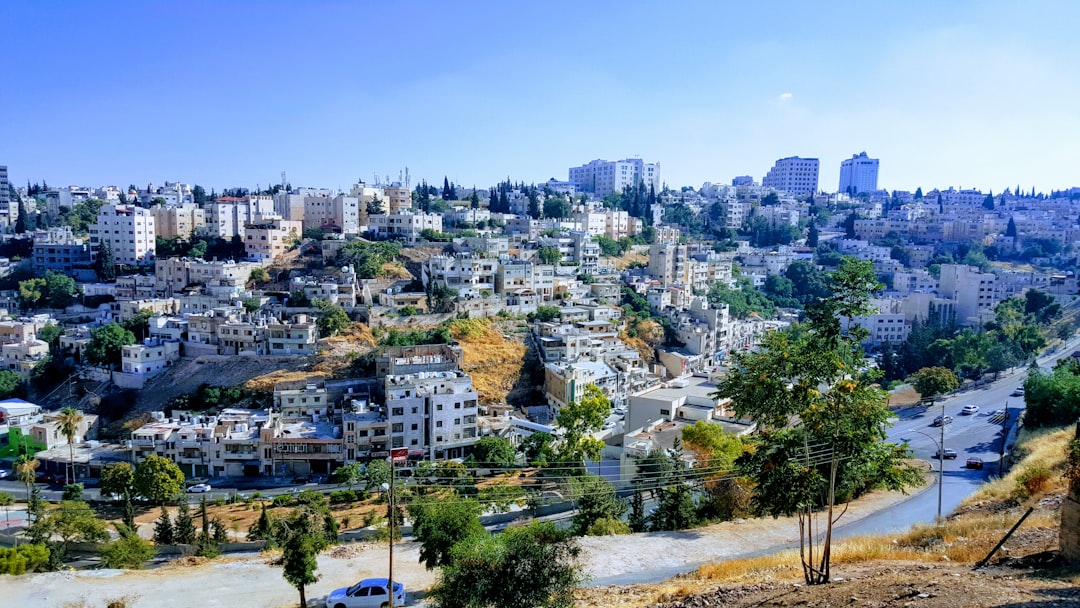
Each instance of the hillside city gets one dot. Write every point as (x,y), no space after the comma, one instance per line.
(186,372)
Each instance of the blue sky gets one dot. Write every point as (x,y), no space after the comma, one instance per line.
(967,94)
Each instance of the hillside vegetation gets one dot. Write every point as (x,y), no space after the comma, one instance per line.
(494,361)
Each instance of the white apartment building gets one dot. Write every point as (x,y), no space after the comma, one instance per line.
(9,208)
(174,274)
(297,336)
(971,290)
(471,276)
(794,175)
(433,410)
(269,239)
(178,222)
(858,174)
(150,357)
(226,217)
(406,224)
(601,178)
(129,232)
(669,263)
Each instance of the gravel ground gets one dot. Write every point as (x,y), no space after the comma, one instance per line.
(252,581)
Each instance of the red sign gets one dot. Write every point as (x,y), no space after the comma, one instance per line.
(399,454)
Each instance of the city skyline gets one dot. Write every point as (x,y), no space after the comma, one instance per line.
(969,95)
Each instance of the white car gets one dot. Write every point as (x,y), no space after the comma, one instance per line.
(609,425)
(969,410)
(368,593)
(199,488)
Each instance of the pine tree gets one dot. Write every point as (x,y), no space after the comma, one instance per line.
(184,527)
(474,200)
(1010,230)
(445,189)
(105,264)
(20,223)
(163,529)
(637,520)
(260,530)
(205,546)
(812,235)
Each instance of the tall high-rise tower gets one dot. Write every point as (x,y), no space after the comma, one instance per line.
(858,174)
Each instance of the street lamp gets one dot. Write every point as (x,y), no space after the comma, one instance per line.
(389,489)
(941,462)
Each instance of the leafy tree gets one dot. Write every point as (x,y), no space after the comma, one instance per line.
(1052,398)
(50,334)
(538,448)
(117,480)
(367,259)
(596,500)
(25,467)
(374,206)
(263,527)
(31,291)
(106,344)
(70,419)
(332,318)
(440,298)
(299,299)
(544,314)
(804,374)
(501,496)
(258,275)
(439,525)
(637,519)
(61,289)
(71,522)
(163,529)
(711,445)
(933,381)
(812,235)
(556,207)
(496,451)
(743,301)
(23,559)
(533,566)
(578,421)
(129,551)
(1010,230)
(348,474)
(105,263)
(73,491)
(301,537)
(808,282)
(9,381)
(376,473)
(549,255)
(158,479)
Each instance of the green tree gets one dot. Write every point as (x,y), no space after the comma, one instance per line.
(595,500)
(438,525)
(930,382)
(578,421)
(25,468)
(163,529)
(637,520)
(105,263)
(538,448)
(544,314)
(494,451)
(23,559)
(331,318)
(184,526)
(376,473)
(158,479)
(532,566)
(367,259)
(71,522)
(9,381)
(129,551)
(61,289)
(263,527)
(70,420)
(804,374)
(258,275)
(50,334)
(549,255)
(349,474)
(556,207)
(301,539)
(299,299)
(117,480)
(106,344)
(31,292)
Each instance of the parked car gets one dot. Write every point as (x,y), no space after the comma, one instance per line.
(620,411)
(199,488)
(948,454)
(302,479)
(974,463)
(194,481)
(969,410)
(609,425)
(939,421)
(368,593)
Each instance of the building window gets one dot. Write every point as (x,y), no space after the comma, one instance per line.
(438,424)
(665,412)
(398,427)
(397,411)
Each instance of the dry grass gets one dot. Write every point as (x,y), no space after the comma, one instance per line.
(624,260)
(645,351)
(494,361)
(1041,448)
(266,382)
(394,270)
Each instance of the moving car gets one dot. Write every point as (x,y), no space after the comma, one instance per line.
(368,593)
(942,420)
(1019,392)
(969,410)
(949,454)
(302,479)
(974,463)
(199,488)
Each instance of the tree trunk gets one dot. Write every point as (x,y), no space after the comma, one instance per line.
(303,598)
(71,459)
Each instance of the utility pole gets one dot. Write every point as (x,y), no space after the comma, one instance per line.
(941,463)
(1004,438)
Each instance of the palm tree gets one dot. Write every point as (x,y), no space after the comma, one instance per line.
(70,419)
(25,466)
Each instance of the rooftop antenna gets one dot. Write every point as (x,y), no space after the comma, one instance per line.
(283,180)
(406,178)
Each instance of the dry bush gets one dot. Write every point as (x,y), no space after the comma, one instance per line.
(494,362)
(1042,448)
(266,382)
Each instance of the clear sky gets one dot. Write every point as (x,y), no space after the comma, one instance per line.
(963,93)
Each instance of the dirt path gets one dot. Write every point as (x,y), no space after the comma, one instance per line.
(251,581)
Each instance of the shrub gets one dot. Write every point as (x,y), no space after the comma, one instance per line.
(129,552)
(312,499)
(23,559)
(73,491)
(607,526)
(342,497)
(282,500)
(1032,482)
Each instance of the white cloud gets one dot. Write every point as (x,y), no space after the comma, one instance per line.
(785,96)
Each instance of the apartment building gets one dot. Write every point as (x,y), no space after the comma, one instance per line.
(471,276)
(150,357)
(406,225)
(23,356)
(343,289)
(297,336)
(175,274)
(858,174)
(9,208)
(601,178)
(397,198)
(971,290)
(228,216)
(433,411)
(129,232)
(270,239)
(793,175)
(58,250)
(180,222)
(521,276)
(669,263)
(231,443)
